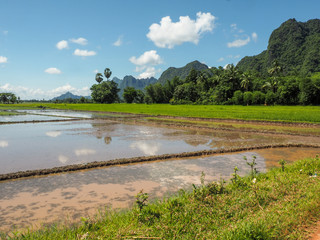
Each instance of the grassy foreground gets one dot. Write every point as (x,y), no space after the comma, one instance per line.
(309,114)
(279,204)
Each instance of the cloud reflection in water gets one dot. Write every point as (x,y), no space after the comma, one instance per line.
(63,159)
(146,148)
(4,144)
(84,152)
(53,134)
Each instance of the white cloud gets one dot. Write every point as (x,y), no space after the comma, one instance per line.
(168,34)
(3,59)
(84,53)
(4,144)
(233,26)
(239,42)
(95,71)
(53,70)
(147,58)
(62,44)
(5,32)
(149,72)
(146,63)
(254,36)
(118,43)
(81,41)
(221,59)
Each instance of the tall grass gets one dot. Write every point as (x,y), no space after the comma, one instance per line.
(279,204)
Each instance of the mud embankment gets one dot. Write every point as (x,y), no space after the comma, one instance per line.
(77,167)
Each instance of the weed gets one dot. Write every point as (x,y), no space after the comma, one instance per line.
(282,163)
(253,171)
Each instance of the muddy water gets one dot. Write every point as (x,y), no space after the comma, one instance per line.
(46,145)
(68,197)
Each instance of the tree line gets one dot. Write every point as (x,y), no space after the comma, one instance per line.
(227,85)
(8,98)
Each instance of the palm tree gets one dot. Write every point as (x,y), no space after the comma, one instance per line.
(107,73)
(99,77)
(246,80)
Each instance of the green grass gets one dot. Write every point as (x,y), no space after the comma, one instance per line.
(310,114)
(279,205)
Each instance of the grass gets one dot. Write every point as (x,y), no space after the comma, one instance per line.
(309,114)
(279,204)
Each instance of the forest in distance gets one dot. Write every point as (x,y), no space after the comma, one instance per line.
(224,86)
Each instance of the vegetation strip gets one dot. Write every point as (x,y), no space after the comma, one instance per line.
(282,203)
(77,167)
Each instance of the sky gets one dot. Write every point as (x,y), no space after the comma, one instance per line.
(49,47)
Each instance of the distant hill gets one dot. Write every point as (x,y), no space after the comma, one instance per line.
(182,72)
(130,81)
(68,95)
(295,46)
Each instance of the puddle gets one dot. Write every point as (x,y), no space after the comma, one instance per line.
(54,144)
(68,197)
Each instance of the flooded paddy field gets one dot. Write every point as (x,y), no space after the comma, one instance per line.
(33,146)
(67,197)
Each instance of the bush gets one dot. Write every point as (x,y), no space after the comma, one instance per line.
(237,97)
(247,98)
(258,97)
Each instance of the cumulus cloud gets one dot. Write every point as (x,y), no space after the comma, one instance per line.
(84,53)
(62,44)
(146,63)
(81,41)
(118,43)
(53,70)
(3,59)
(239,42)
(254,36)
(168,34)
(147,58)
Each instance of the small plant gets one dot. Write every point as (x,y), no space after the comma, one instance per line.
(252,164)
(235,175)
(282,163)
(202,178)
(142,199)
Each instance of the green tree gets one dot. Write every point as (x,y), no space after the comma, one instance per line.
(129,94)
(247,98)
(107,73)
(246,79)
(237,97)
(105,92)
(99,77)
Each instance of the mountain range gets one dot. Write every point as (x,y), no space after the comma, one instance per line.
(68,95)
(294,45)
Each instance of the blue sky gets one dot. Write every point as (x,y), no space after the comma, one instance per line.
(50,47)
